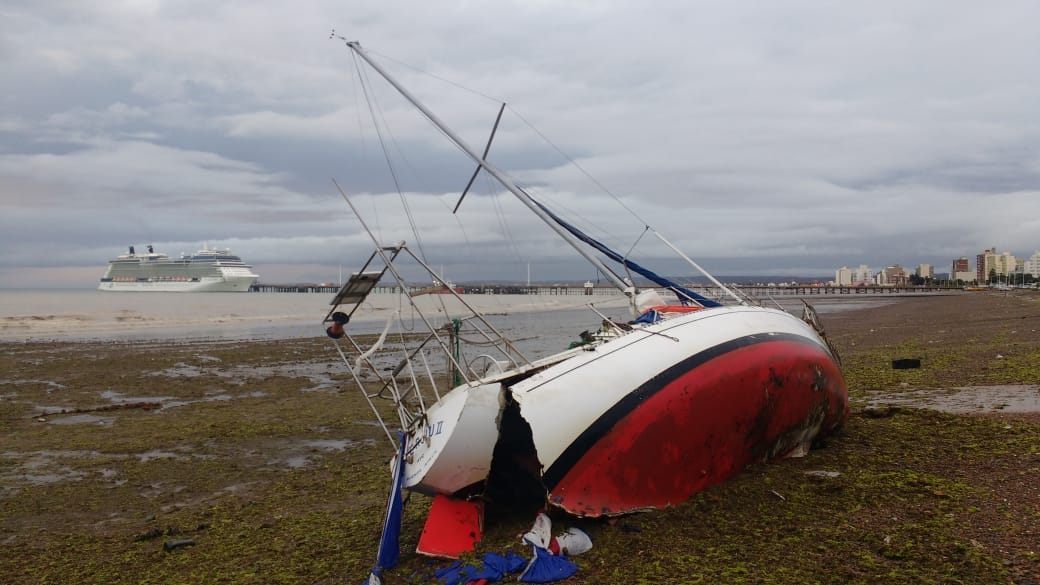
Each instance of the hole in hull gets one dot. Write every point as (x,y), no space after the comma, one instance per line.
(514,483)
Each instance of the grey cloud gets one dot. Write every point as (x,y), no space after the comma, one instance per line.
(771,138)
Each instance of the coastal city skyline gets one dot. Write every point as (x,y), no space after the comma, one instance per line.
(981,268)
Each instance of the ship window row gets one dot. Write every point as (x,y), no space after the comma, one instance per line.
(150,279)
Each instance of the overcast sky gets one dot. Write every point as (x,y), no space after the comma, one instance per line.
(782,138)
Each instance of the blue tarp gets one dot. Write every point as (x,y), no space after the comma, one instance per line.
(389,545)
(546,567)
(493,568)
(651,316)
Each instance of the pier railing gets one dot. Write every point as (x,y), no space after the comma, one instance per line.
(815,289)
(607,290)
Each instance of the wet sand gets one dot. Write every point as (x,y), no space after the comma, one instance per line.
(978,352)
(263,454)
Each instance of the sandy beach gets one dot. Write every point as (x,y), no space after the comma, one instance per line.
(263,455)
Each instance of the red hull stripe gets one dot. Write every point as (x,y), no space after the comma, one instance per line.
(588,439)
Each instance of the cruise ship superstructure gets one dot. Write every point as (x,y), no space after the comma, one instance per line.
(207,270)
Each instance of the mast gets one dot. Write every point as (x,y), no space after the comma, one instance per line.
(501,177)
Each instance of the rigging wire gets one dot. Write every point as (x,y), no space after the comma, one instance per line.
(534,128)
(503,222)
(607,233)
(568,158)
(372,109)
(373,106)
(359,85)
(415,175)
(408,211)
(435,76)
(580,168)
(496,204)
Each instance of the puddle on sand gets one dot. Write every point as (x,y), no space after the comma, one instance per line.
(79,419)
(322,383)
(297,454)
(317,372)
(330,444)
(214,398)
(63,415)
(164,402)
(367,423)
(21,469)
(1011,398)
(119,398)
(51,385)
(156,454)
(179,370)
(39,468)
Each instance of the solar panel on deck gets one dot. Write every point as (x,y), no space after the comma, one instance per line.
(357,287)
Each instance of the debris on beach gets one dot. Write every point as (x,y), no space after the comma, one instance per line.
(170,545)
(549,561)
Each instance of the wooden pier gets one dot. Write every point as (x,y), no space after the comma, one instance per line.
(294,288)
(817,289)
(798,290)
(496,289)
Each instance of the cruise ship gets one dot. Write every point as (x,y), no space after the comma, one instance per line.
(204,271)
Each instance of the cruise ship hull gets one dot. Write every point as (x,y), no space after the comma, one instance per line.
(205,284)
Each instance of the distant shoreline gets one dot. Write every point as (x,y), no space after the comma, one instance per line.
(74,316)
(227,316)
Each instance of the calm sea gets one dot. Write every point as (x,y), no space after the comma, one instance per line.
(49,314)
(92,314)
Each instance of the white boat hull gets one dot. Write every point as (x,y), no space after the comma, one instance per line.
(649,418)
(452,450)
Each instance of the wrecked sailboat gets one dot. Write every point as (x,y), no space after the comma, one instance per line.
(639,414)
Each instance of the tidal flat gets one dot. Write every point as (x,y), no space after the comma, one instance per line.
(264,457)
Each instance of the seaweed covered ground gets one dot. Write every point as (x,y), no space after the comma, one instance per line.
(257,462)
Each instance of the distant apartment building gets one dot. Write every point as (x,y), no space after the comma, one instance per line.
(925,271)
(960,269)
(989,261)
(966,276)
(894,275)
(861,275)
(1031,265)
(985,262)
(846,276)
(1008,264)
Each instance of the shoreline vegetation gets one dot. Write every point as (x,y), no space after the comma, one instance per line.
(255,461)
